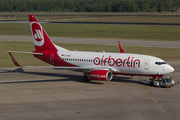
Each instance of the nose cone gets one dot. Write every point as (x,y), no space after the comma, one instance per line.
(170,69)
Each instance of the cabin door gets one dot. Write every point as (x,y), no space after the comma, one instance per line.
(146,64)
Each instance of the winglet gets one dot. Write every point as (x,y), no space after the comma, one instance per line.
(14,60)
(121,47)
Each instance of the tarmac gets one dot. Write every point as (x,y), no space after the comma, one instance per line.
(46,94)
(99,23)
(127,42)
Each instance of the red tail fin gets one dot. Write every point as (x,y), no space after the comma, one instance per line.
(41,40)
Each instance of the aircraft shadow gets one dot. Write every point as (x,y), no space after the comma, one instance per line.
(124,80)
(67,77)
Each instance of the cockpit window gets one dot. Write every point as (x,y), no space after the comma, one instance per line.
(159,63)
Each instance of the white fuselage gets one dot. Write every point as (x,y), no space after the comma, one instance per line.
(94,65)
(122,63)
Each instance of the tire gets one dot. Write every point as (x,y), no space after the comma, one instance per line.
(86,79)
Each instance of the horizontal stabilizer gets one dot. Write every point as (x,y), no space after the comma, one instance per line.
(27,52)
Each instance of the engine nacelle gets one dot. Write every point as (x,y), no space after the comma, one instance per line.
(100,75)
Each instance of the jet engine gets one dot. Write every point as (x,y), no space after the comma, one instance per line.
(100,75)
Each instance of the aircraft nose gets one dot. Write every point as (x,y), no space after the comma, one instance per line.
(170,69)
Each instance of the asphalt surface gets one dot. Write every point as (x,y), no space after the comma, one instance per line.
(144,43)
(120,23)
(46,94)
(102,23)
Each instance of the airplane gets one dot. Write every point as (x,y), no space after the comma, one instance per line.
(94,65)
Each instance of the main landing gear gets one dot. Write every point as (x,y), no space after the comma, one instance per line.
(86,79)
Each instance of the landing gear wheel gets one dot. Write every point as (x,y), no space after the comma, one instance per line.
(86,79)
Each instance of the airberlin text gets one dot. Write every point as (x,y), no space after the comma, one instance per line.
(129,62)
(98,76)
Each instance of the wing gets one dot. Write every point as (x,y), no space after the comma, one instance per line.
(81,69)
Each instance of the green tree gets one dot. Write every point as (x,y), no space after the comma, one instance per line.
(2,6)
(108,7)
(145,6)
(89,5)
(37,6)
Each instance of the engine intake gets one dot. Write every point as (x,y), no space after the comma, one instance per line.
(101,75)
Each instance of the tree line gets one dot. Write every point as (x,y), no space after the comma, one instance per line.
(88,5)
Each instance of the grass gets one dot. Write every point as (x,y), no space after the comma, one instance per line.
(156,33)
(5,60)
(157,17)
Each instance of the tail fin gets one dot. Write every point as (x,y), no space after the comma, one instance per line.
(42,42)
